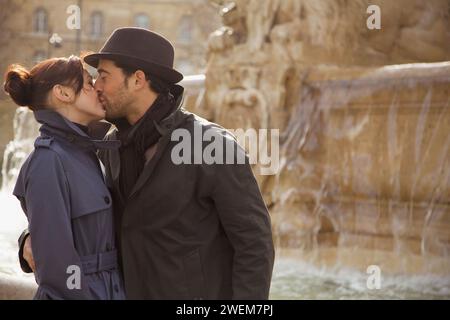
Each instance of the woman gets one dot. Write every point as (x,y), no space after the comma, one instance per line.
(61,186)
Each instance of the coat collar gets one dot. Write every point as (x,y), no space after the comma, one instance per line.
(55,124)
(167,125)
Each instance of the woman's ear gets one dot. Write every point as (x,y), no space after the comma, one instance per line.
(63,93)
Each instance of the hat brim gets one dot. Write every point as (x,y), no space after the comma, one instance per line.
(162,72)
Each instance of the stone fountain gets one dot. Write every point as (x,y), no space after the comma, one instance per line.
(365,122)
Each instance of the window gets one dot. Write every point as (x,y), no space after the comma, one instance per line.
(185,31)
(141,20)
(96,24)
(40,21)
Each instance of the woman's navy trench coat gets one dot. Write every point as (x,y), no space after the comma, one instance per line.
(69,209)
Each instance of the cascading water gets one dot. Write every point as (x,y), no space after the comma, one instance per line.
(25,132)
(12,219)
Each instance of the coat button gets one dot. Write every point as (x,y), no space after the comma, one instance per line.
(107,200)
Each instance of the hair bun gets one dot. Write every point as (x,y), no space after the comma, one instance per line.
(18,84)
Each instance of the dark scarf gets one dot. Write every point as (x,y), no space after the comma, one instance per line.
(138,138)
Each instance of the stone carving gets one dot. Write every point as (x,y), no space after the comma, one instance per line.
(283,38)
(243,97)
(260,18)
(334,31)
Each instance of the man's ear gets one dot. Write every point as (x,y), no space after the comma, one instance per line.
(140,80)
(63,93)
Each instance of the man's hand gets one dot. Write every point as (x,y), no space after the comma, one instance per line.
(28,253)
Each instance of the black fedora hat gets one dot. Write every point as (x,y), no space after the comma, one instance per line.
(140,48)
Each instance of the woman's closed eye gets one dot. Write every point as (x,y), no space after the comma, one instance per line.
(90,85)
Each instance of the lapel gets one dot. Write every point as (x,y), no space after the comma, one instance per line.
(115,170)
(166,128)
(114,167)
(150,166)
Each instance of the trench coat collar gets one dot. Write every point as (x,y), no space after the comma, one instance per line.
(55,124)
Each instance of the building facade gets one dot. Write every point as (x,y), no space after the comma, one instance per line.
(38,29)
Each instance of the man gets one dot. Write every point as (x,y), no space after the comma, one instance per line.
(186,231)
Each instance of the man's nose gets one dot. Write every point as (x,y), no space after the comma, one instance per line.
(97,86)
